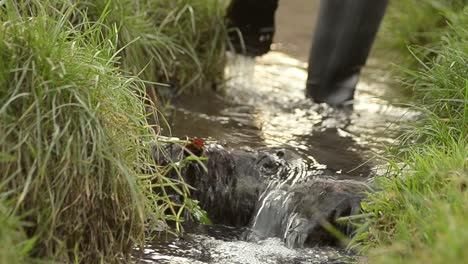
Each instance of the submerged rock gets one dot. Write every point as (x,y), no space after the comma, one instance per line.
(272,191)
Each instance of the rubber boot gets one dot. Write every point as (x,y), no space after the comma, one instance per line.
(252,25)
(344,35)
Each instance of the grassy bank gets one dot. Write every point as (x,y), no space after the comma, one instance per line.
(410,24)
(70,125)
(77,180)
(420,214)
(176,46)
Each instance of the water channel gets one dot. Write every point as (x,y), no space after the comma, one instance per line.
(265,107)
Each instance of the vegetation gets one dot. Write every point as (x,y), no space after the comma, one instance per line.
(198,26)
(410,24)
(177,42)
(77,180)
(70,126)
(420,214)
(14,246)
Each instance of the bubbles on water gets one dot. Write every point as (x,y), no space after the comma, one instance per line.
(210,250)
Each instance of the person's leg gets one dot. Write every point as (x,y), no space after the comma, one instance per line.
(345,32)
(255,22)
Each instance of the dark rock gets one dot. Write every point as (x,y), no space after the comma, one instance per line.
(270,191)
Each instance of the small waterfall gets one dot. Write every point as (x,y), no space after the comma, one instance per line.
(275,214)
(274,190)
(297,202)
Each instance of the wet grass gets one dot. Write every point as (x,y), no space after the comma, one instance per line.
(75,146)
(420,213)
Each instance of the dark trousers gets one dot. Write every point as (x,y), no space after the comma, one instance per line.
(344,35)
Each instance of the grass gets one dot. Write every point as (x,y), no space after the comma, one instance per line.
(420,213)
(413,23)
(420,216)
(198,26)
(75,164)
(177,42)
(14,245)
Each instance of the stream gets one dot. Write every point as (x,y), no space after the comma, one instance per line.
(265,108)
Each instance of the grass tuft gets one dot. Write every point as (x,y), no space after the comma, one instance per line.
(75,145)
(177,42)
(420,214)
(199,28)
(14,245)
(413,23)
(72,129)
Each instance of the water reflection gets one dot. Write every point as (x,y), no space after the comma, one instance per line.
(222,245)
(265,106)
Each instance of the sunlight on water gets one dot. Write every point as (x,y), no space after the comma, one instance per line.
(274,85)
(220,251)
(265,106)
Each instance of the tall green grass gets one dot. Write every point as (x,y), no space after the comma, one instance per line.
(199,28)
(14,245)
(74,155)
(412,23)
(420,214)
(177,42)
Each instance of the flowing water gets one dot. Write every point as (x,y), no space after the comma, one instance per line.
(265,108)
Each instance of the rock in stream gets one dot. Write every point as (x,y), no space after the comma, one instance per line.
(272,192)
